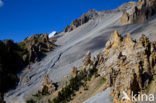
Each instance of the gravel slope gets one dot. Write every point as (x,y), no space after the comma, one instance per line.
(102,97)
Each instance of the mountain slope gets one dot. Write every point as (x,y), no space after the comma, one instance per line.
(72,46)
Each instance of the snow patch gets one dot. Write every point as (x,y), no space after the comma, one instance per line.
(52,34)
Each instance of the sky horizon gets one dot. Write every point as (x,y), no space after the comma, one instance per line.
(22,18)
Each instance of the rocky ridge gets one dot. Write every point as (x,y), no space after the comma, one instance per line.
(92,14)
(82,20)
(141,12)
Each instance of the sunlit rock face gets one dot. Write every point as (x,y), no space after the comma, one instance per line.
(48,84)
(141,12)
(127,65)
(36,45)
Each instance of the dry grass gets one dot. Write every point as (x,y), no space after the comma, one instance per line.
(96,85)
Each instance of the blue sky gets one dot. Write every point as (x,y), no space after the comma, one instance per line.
(22,18)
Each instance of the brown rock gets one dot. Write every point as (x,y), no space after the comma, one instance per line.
(128,66)
(67,29)
(28,67)
(87,58)
(115,39)
(141,12)
(49,84)
(37,45)
(128,40)
(82,20)
(74,71)
(125,17)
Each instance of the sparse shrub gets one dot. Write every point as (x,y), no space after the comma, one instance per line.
(45,91)
(103,80)
(74,84)
(31,101)
(85,87)
(42,93)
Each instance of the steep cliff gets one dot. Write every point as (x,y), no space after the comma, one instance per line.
(141,12)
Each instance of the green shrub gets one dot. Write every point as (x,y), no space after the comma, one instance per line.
(103,80)
(31,101)
(74,84)
(45,91)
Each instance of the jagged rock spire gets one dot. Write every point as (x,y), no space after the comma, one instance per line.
(116,38)
(128,40)
(74,71)
(87,58)
(48,83)
(144,40)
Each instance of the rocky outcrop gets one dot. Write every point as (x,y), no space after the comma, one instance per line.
(82,20)
(74,71)
(141,12)
(125,17)
(48,84)
(36,46)
(127,65)
(87,60)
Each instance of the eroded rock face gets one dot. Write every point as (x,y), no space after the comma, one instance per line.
(74,71)
(125,17)
(141,12)
(87,60)
(82,20)
(127,65)
(48,84)
(36,45)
